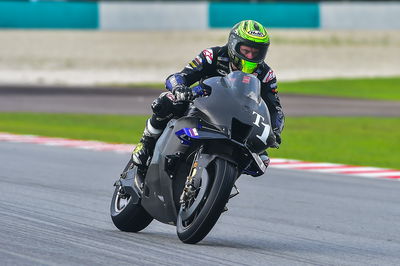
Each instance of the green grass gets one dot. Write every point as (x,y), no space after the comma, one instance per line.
(358,141)
(349,140)
(386,88)
(109,128)
(373,88)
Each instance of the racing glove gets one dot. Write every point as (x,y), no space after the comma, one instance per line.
(277,134)
(183,93)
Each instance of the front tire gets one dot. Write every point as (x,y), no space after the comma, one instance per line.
(221,177)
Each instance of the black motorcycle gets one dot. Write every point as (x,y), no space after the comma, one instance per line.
(197,160)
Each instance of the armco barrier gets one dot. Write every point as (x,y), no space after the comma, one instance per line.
(122,15)
(153,15)
(360,15)
(282,15)
(75,15)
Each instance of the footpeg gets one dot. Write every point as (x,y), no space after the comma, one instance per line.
(234,193)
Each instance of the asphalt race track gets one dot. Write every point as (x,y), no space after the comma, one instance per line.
(54,210)
(105,100)
(54,202)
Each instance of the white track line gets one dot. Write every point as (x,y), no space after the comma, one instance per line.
(361,171)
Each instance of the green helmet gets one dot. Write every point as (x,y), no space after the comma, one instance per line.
(252,34)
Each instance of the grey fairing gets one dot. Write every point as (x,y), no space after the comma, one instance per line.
(158,194)
(245,109)
(158,197)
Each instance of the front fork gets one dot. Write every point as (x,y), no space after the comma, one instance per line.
(190,188)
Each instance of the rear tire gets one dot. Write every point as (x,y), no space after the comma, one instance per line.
(127,215)
(222,175)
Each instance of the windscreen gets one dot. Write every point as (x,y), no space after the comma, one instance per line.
(244,85)
(236,95)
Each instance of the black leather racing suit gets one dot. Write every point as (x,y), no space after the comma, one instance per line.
(210,63)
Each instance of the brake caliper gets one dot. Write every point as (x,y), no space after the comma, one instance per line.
(189,190)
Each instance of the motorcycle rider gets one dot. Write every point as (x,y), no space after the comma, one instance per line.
(245,51)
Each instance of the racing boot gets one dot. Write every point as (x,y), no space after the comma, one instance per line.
(265,158)
(144,150)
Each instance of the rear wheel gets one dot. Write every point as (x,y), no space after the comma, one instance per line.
(198,215)
(127,213)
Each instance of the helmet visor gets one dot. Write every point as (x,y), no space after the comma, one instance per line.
(251,52)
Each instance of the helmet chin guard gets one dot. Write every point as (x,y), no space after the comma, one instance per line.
(248,67)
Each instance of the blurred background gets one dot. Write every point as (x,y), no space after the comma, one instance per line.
(95,42)
(337,64)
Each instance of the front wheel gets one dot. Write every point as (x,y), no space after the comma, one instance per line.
(208,203)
